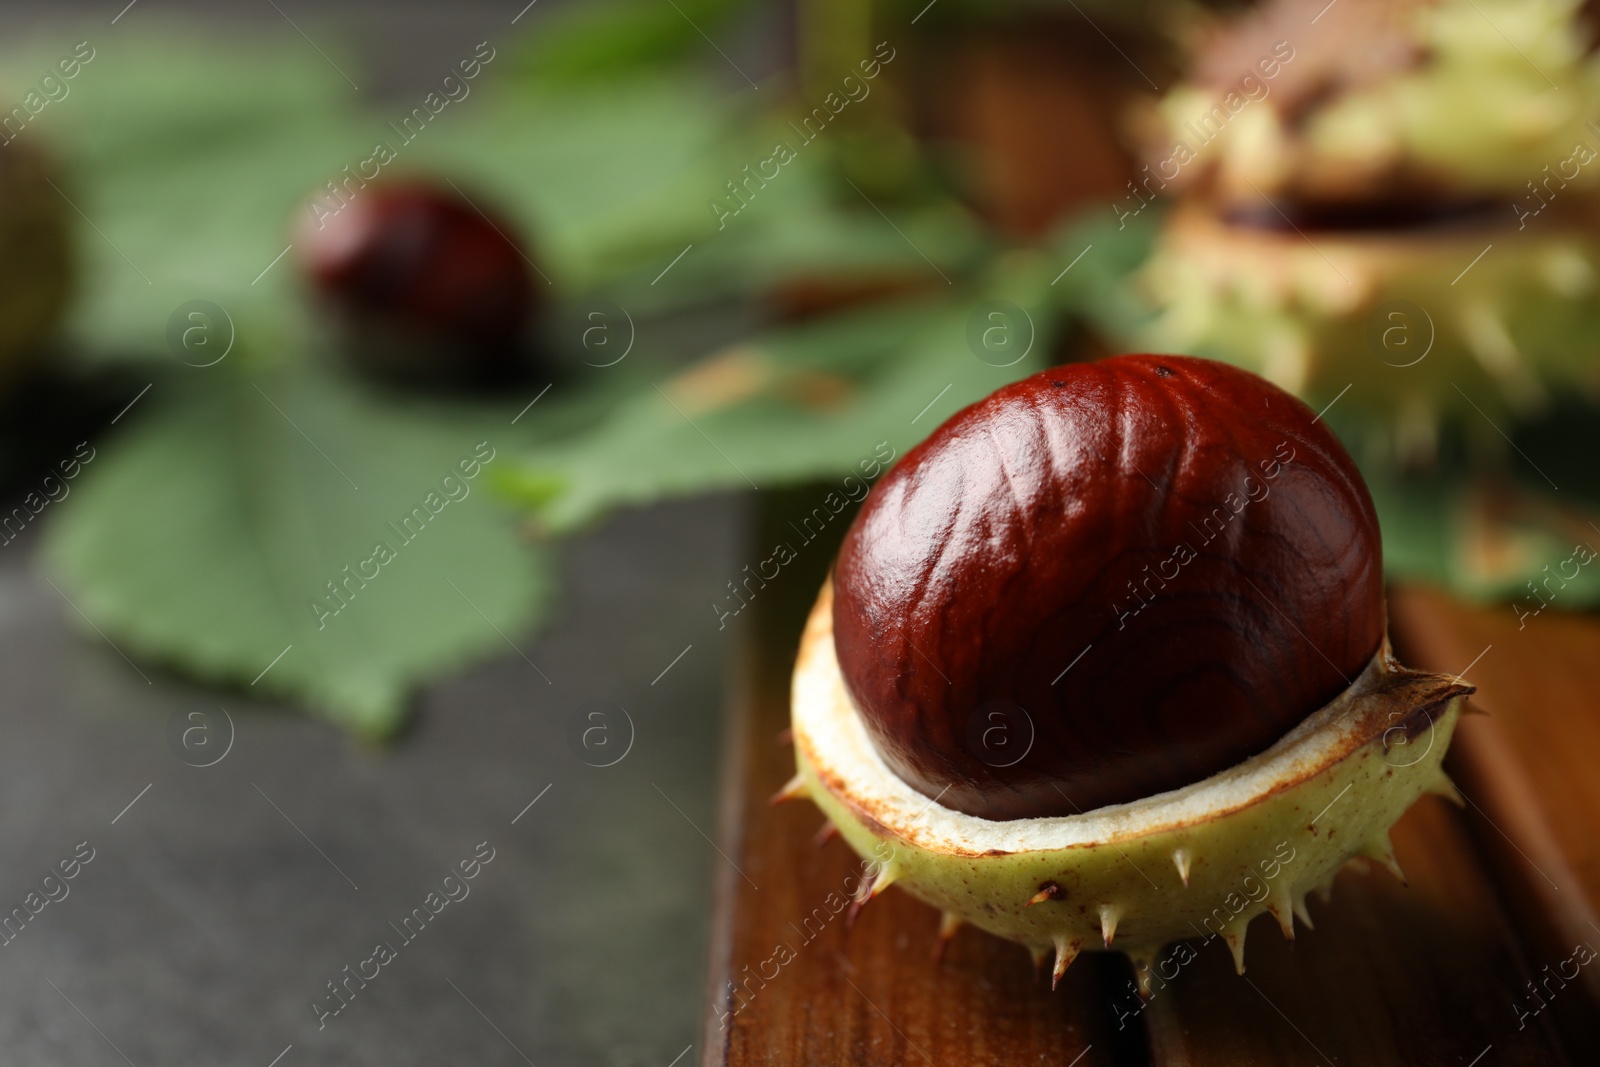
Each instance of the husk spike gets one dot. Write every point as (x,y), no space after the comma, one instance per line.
(1280,905)
(1300,911)
(1233,934)
(1048,891)
(793,789)
(1442,786)
(1066,952)
(1380,849)
(1141,972)
(1109,914)
(949,923)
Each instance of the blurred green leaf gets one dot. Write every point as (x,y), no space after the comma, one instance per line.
(204,537)
(1099,287)
(608,38)
(607,179)
(191,167)
(616,180)
(186,161)
(1415,516)
(797,403)
(1490,538)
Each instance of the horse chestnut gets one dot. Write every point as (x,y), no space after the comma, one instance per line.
(1328,189)
(431,288)
(1162,576)
(1166,563)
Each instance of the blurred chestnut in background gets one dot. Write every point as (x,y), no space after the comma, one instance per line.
(430,289)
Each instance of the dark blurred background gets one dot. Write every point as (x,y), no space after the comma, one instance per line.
(207,923)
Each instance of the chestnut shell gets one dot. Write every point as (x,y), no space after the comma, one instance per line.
(432,288)
(1106,581)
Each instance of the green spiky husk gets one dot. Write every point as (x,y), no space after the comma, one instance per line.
(1198,862)
(1465,98)
(1503,314)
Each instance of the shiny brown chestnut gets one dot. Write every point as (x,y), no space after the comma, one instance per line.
(429,287)
(1145,569)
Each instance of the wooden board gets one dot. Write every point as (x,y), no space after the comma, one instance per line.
(1527,769)
(1433,973)
(791,985)
(1421,974)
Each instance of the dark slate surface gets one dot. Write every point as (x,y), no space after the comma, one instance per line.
(231,880)
(218,905)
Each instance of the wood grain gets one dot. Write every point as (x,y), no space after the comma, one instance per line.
(1527,769)
(871,994)
(1415,976)
(1433,973)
